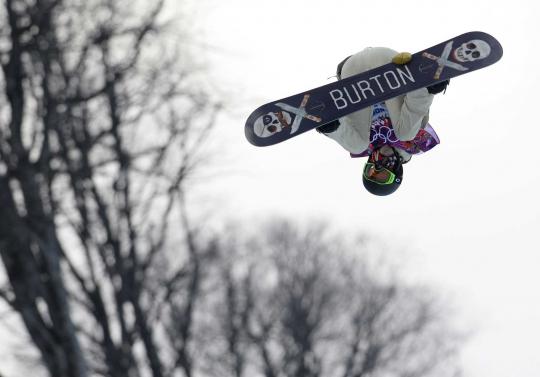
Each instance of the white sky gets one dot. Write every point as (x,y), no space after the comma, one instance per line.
(477,241)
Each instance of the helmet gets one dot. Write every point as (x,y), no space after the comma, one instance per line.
(383,174)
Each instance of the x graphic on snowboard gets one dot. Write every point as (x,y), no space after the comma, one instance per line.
(300,113)
(443,60)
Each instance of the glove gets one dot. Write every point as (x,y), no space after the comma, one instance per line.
(438,87)
(402,58)
(328,127)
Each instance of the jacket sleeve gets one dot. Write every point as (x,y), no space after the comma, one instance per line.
(350,137)
(414,109)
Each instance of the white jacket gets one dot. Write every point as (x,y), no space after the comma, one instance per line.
(408,113)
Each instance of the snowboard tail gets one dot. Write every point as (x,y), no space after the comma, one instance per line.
(283,119)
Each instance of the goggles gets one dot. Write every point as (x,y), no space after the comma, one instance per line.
(381,176)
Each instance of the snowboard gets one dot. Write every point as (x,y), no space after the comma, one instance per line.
(283,119)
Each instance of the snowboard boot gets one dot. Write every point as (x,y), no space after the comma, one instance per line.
(340,67)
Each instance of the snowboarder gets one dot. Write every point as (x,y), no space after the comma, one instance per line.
(388,132)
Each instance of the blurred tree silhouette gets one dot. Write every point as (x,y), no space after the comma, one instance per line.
(301,302)
(102,120)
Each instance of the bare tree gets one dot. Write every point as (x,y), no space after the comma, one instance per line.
(301,302)
(102,123)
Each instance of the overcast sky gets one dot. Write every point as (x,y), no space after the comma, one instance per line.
(467,213)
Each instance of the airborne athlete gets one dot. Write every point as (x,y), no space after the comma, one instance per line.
(388,132)
(379,106)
